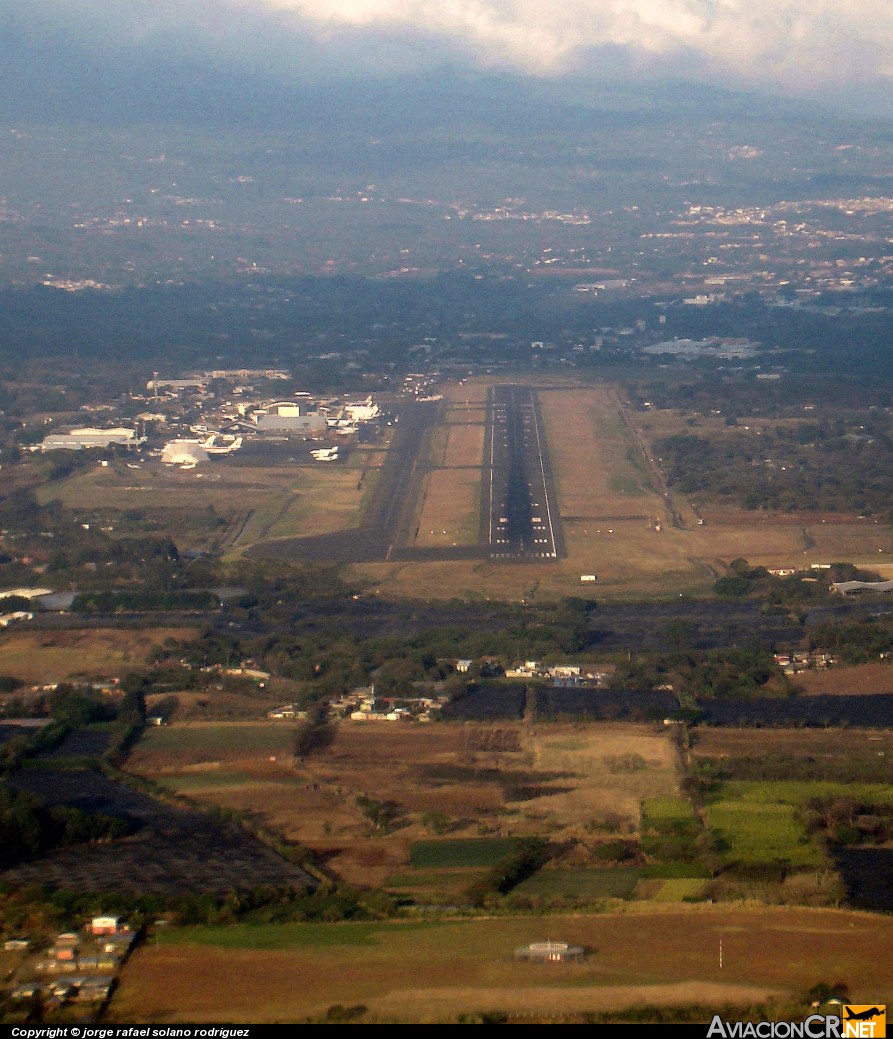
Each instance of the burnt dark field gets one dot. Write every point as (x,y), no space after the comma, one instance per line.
(174,850)
(867,712)
(488,703)
(663,627)
(867,874)
(569,704)
(81,743)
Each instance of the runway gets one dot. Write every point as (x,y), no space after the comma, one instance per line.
(518,506)
(519,516)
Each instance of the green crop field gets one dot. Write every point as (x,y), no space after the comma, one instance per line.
(433,880)
(796,792)
(657,810)
(227,736)
(762,832)
(580,883)
(483,851)
(681,889)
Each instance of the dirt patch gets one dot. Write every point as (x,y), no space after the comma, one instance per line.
(861,680)
(831,743)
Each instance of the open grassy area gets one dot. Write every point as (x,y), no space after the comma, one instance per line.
(827,746)
(180,746)
(800,763)
(45,657)
(324,500)
(435,971)
(679,889)
(221,505)
(449,510)
(598,474)
(444,886)
(792,792)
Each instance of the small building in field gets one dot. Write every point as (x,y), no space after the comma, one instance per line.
(550,952)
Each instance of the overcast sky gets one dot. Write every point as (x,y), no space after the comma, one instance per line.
(806,48)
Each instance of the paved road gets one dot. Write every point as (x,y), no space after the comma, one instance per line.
(519,510)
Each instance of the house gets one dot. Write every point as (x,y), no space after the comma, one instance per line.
(463,666)
(66,946)
(119,943)
(27,990)
(564,671)
(287,711)
(95,990)
(105,925)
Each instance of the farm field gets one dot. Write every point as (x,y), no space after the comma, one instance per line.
(434,971)
(209,743)
(827,748)
(857,680)
(45,657)
(761,830)
(840,711)
(448,785)
(768,787)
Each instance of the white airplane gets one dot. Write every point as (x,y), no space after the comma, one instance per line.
(325,454)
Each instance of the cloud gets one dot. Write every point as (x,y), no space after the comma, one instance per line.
(782,41)
(798,46)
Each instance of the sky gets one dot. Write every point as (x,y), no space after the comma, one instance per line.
(814,49)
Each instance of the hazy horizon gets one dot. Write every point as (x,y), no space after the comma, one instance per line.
(139,60)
